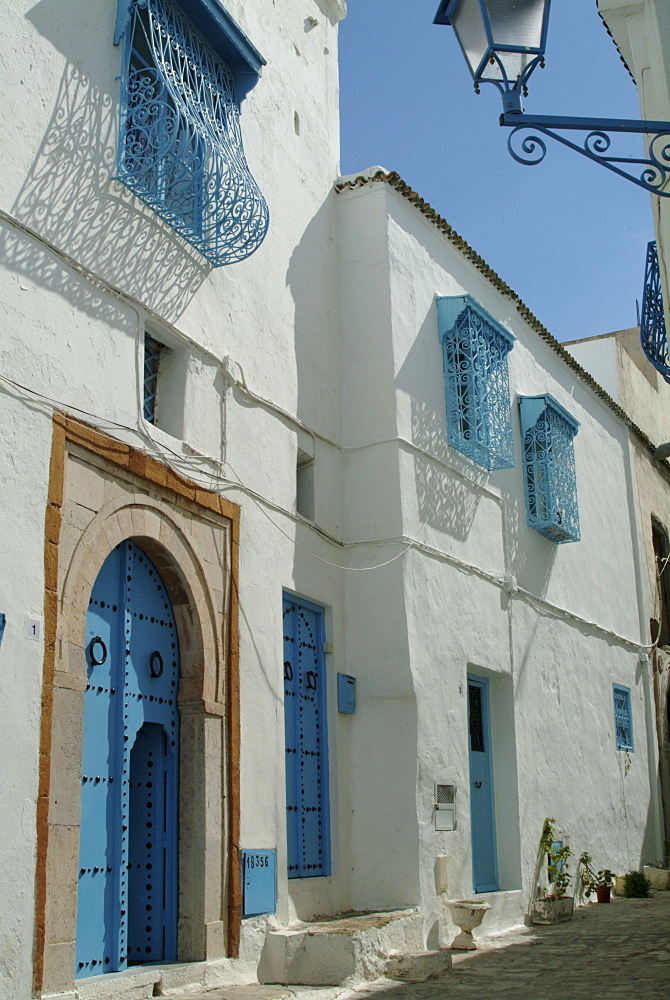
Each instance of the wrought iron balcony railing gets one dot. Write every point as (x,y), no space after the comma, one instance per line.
(652,321)
(475,349)
(550,483)
(180,148)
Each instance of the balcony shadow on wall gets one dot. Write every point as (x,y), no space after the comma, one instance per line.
(447,483)
(530,556)
(68,197)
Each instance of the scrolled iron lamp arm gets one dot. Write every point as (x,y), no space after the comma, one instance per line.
(503,45)
(651,172)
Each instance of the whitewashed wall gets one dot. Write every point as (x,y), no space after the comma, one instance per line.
(333,323)
(551,675)
(75,308)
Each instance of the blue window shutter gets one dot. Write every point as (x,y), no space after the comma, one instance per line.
(623,722)
(474,351)
(307,799)
(550,482)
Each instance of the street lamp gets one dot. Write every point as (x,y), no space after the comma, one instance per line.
(503,41)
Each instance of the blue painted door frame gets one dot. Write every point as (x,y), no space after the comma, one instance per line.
(307,799)
(482,805)
(127,888)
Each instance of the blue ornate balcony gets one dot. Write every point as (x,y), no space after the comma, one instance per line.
(180,148)
(652,322)
(547,432)
(475,349)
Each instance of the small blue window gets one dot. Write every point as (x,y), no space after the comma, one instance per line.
(550,483)
(623,722)
(152,358)
(180,142)
(474,350)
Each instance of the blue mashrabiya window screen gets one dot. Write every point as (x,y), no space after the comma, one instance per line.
(180,146)
(550,481)
(623,723)
(307,801)
(474,351)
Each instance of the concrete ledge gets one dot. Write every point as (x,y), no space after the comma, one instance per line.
(347,950)
(176,979)
(132,984)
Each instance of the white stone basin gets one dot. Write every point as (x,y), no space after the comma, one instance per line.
(466,914)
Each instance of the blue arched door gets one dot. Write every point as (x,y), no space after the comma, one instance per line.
(127,889)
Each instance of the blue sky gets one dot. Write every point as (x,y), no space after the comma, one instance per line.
(567,235)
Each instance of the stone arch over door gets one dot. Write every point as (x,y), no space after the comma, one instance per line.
(193,550)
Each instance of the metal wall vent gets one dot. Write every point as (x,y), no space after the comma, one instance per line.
(445,806)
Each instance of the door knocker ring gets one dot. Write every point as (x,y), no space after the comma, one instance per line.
(97,660)
(156,664)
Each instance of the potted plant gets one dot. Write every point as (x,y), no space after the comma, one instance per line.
(554,905)
(636,885)
(599,882)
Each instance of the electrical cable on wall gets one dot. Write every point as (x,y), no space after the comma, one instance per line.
(183,465)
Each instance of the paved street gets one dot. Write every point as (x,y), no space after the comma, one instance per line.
(617,951)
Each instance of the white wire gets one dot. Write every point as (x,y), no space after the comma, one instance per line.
(259,501)
(327,562)
(178,463)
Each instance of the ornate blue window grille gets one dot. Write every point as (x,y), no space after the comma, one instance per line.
(180,148)
(623,723)
(152,357)
(474,350)
(547,432)
(652,322)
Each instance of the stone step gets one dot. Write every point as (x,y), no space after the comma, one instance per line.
(416,966)
(342,951)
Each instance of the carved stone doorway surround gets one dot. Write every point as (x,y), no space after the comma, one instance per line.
(102,492)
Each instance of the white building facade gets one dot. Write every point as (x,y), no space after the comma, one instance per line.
(246,549)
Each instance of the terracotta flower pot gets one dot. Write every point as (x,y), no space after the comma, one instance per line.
(603,893)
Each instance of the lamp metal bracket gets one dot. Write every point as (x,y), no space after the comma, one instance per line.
(526,145)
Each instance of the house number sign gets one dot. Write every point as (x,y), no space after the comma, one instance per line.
(257,861)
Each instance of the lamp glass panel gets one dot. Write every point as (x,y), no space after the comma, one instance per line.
(513,62)
(517,22)
(470,30)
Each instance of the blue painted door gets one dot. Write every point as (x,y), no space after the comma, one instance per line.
(307,803)
(482,813)
(127,891)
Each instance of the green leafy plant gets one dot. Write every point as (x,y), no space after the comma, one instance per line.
(592,880)
(636,885)
(557,861)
